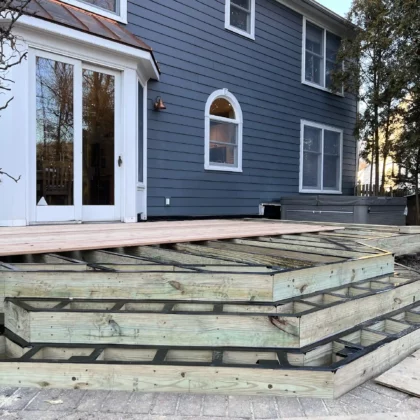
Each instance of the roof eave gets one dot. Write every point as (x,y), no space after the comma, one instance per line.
(321,15)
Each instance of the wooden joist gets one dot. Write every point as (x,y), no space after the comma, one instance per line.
(292,325)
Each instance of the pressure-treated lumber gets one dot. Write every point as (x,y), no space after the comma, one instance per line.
(398,245)
(308,250)
(339,365)
(374,363)
(218,286)
(405,376)
(292,325)
(36,240)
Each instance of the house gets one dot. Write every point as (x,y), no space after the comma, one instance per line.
(162,108)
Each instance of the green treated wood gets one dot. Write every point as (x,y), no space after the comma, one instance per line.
(184,379)
(266,243)
(280,253)
(289,328)
(144,285)
(170,256)
(243,257)
(310,280)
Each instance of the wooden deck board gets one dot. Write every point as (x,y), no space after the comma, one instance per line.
(404,376)
(45,239)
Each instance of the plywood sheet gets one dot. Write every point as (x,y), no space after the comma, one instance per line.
(44,239)
(405,376)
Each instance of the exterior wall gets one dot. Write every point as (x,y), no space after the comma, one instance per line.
(198,56)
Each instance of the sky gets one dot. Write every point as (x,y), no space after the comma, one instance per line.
(338,6)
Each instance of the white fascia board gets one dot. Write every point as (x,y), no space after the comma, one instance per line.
(322,16)
(143,58)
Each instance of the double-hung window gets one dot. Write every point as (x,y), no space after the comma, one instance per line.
(223,133)
(240,17)
(320,158)
(320,55)
(113,9)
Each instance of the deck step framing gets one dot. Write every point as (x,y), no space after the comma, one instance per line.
(328,370)
(292,324)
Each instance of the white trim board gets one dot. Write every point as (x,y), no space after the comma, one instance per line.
(225,94)
(322,16)
(323,127)
(144,59)
(229,27)
(120,15)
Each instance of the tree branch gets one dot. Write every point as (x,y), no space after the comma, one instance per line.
(10,176)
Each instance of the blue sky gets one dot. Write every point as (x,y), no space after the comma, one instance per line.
(338,6)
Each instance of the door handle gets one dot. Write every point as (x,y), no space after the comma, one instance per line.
(120,162)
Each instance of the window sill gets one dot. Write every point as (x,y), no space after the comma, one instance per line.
(222,168)
(98,11)
(319,87)
(240,32)
(326,192)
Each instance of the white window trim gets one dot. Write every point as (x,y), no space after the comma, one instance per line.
(222,93)
(304,81)
(121,16)
(228,26)
(302,190)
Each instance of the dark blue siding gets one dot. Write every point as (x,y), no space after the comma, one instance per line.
(198,56)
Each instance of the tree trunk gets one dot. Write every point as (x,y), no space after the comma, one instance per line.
(385,157)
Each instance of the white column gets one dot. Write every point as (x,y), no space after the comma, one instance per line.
(14,155)
(129,175)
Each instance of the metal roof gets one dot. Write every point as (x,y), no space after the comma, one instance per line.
(73,17)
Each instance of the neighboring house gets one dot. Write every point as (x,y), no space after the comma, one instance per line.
(249,115)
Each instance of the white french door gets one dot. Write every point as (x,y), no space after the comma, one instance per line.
(76,140)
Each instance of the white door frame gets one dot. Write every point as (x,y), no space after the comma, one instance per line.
(111,212)
(76,212)
(53,213)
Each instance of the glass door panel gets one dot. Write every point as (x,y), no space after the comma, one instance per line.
(54,133)
(98,139)
(100,144)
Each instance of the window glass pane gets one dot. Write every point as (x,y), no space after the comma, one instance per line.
(140,133)
(223,132)
(333,45)
(331,160)
(314,39)
(223,154)
(98,138)
(331,172)
(240,18)
(222,108)
(54,132)
(311,170)
(313,68)
(110,5)
(332,142)
(245,4)
(312,139)
(330,67)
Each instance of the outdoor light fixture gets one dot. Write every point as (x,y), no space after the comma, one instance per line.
(159,105)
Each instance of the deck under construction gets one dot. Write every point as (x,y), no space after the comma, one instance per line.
(231,307)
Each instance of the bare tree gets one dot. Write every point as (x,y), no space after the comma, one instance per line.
(10,53)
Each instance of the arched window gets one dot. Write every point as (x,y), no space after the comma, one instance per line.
(223,132)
